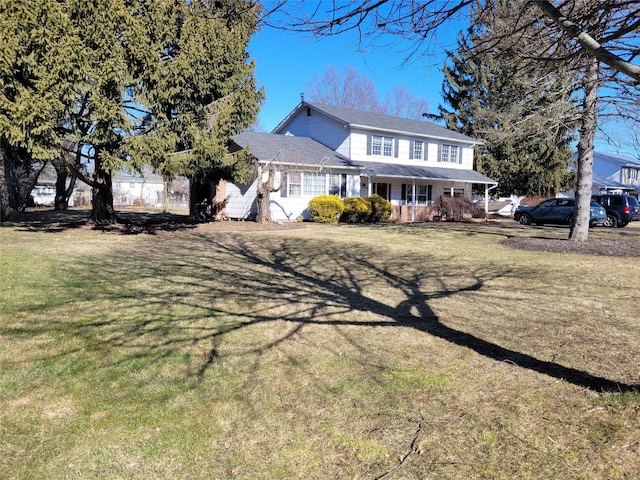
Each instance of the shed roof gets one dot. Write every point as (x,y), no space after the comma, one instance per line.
(378,169)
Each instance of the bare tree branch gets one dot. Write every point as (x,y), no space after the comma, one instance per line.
(588,42)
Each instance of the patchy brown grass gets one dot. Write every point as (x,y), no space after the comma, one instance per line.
(238,351)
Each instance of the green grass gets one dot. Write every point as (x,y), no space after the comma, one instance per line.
(424,351)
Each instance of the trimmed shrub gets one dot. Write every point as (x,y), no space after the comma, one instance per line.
(457,208)
(356,210)
(381,209)
(366,209)
(325,209)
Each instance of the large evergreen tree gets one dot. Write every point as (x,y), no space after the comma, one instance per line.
(170,83)
(128,84)
(39,66)
(526,119)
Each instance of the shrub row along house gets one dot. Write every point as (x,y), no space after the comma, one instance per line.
(320,149)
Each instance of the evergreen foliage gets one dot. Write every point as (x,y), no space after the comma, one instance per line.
(526,119)
(129,84)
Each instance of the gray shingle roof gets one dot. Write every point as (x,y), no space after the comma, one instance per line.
(381,122)
(291,150)
(376,169)
(606,183)
(612,158)
(305,151)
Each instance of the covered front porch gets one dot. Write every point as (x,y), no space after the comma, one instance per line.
(412,190)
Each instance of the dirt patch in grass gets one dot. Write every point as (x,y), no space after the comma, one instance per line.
(610,247)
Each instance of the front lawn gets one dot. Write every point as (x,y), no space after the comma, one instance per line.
(398,352)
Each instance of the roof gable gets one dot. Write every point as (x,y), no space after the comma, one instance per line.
(380,122)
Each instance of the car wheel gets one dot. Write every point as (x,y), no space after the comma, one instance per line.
(525,219)
(611,221)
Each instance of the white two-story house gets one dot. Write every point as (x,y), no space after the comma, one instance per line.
(320,149)
(616,174)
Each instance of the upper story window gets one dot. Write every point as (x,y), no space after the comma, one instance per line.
(381,146)
(450,154)
(418,150)
(630,175)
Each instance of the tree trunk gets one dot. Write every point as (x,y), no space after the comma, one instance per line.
(165,195)
(63,192)
(263,194)
(102,212)
(201,196)
(579,231)
(6,212)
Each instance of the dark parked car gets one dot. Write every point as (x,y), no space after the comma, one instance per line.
(557,211)
(621,209)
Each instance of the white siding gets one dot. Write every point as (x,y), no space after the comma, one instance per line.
(325,130)
(285,208)
(241,205)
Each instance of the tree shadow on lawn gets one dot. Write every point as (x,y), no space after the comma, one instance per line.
(130,221)
(228,283)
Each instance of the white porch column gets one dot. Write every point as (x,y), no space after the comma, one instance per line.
(486,199)
(413,201)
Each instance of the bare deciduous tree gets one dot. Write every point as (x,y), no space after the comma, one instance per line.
(354,90)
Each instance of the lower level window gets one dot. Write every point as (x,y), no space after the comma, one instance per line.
(457,192)
(314,184)
(294,184)
(421,193)
(383,190)
(338,184)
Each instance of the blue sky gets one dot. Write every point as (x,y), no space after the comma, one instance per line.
(285,61)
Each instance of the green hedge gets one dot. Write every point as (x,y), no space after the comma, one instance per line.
(325,209)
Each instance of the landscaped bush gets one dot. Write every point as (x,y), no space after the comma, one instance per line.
(356,210)
(381,209)
(366,209)
(325,209)
(457,208)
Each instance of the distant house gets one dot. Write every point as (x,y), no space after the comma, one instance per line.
(616,174)
(320,149)
(139,189)
(147,189)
